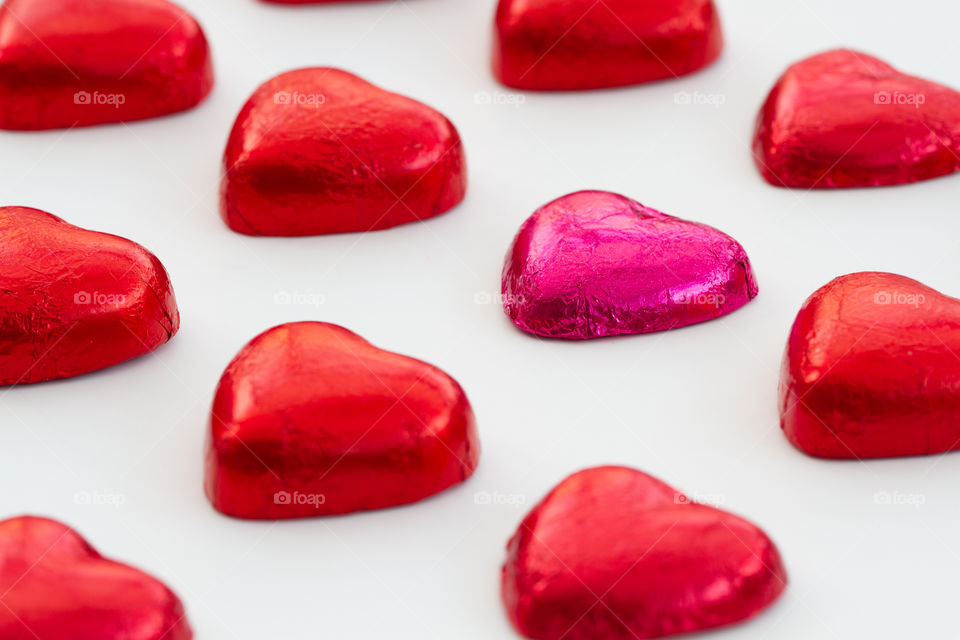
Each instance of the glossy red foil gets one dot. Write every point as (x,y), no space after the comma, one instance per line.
(319,150)
(614,554)
(56,586)
(594,264)
(584,44)
(846,119)
(871,370)
(74,301)
(310,420)
(315,1)
(75,63)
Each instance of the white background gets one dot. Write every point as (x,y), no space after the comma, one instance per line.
(695,407)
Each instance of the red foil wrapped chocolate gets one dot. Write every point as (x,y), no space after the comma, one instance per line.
(75,63)
(56,586)
(614,554)
(847,119)
(310,419)
(318,151)
(871,370)
(594,263)
(313,1)
(585,44)
(75,300)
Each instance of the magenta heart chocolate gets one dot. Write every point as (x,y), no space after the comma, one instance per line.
(594,263)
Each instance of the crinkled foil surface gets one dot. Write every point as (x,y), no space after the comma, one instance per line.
(846,119)
(613,553)
(871,370)
(594,263)
(73,300)
(70,63)
(306,422)
(319,150)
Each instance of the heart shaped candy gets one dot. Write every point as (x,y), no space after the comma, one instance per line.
(586,44)
(310,419)
(67,63)
(74,301)
(614,554)
(595,263)
(57,587)
(319,151)
(847,119)
(312,1)
(871,370)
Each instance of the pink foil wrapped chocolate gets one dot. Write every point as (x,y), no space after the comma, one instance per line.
(594,264)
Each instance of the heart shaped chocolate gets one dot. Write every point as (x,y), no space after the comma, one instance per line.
(57,587)
(318,151)
(594,263)
(70,63)
(310,419)
(847,119)
(614,554)
(586,44)
(871,370)
(74,301)
(312,1)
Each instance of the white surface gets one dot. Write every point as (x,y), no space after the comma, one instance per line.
(695,407)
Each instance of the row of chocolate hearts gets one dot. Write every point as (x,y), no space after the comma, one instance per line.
(319,151)
(611,552)
(586,265)
(309,419)
(637,605)
(871,367)
(322,151)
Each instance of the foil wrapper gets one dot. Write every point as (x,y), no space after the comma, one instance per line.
(319,150)
(75,301)
(74,63)
(583,44)
(315,1)
(310,420)
(57,587)
(871,370)
(846,119)
(613,553)
(594,264)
